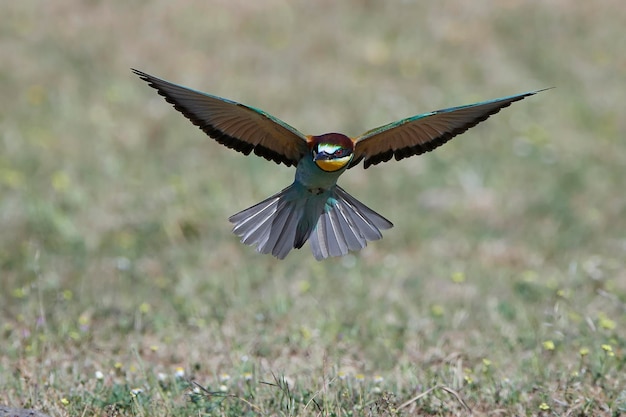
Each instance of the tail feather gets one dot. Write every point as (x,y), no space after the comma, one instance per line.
(375,220)
(334,223)
(328,239)
(354,239)
(339,245)
(252,224)
(346,224)
(256,231)
(272,224)
(283,231)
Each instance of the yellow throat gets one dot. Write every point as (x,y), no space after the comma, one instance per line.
(330,165)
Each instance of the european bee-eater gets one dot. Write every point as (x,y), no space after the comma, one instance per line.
(314,207)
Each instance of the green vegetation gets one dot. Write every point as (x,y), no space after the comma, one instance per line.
(502,287)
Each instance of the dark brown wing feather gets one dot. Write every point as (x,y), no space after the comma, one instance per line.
(425,132)
(235,125)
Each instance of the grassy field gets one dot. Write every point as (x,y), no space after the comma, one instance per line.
(502,288)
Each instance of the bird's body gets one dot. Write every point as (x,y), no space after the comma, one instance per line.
(314,207)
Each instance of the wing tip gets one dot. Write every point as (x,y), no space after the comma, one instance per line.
(144,76)
(542,89)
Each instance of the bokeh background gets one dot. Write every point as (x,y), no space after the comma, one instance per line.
(504,278)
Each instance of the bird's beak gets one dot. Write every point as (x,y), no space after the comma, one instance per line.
(320,156)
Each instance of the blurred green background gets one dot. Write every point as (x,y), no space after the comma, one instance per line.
(504,278)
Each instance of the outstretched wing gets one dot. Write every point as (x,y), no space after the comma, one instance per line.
(237,126)
(425,132)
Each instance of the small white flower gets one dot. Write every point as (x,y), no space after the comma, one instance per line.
(136,391)
(99,375)
(224,377)
(223,388)
(161,376)
(179,373)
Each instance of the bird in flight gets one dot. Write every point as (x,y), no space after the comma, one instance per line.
(314,207)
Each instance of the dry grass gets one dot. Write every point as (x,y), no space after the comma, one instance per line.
(504,281)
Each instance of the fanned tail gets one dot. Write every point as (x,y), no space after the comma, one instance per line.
(333,221)
(345,225)
(277,224)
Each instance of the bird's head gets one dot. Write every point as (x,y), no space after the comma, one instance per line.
(332,151)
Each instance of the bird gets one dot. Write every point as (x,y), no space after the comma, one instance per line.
(314,208)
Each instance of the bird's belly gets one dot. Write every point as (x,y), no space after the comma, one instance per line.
(314,178)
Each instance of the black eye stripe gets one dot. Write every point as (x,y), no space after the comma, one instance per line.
(336,154)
